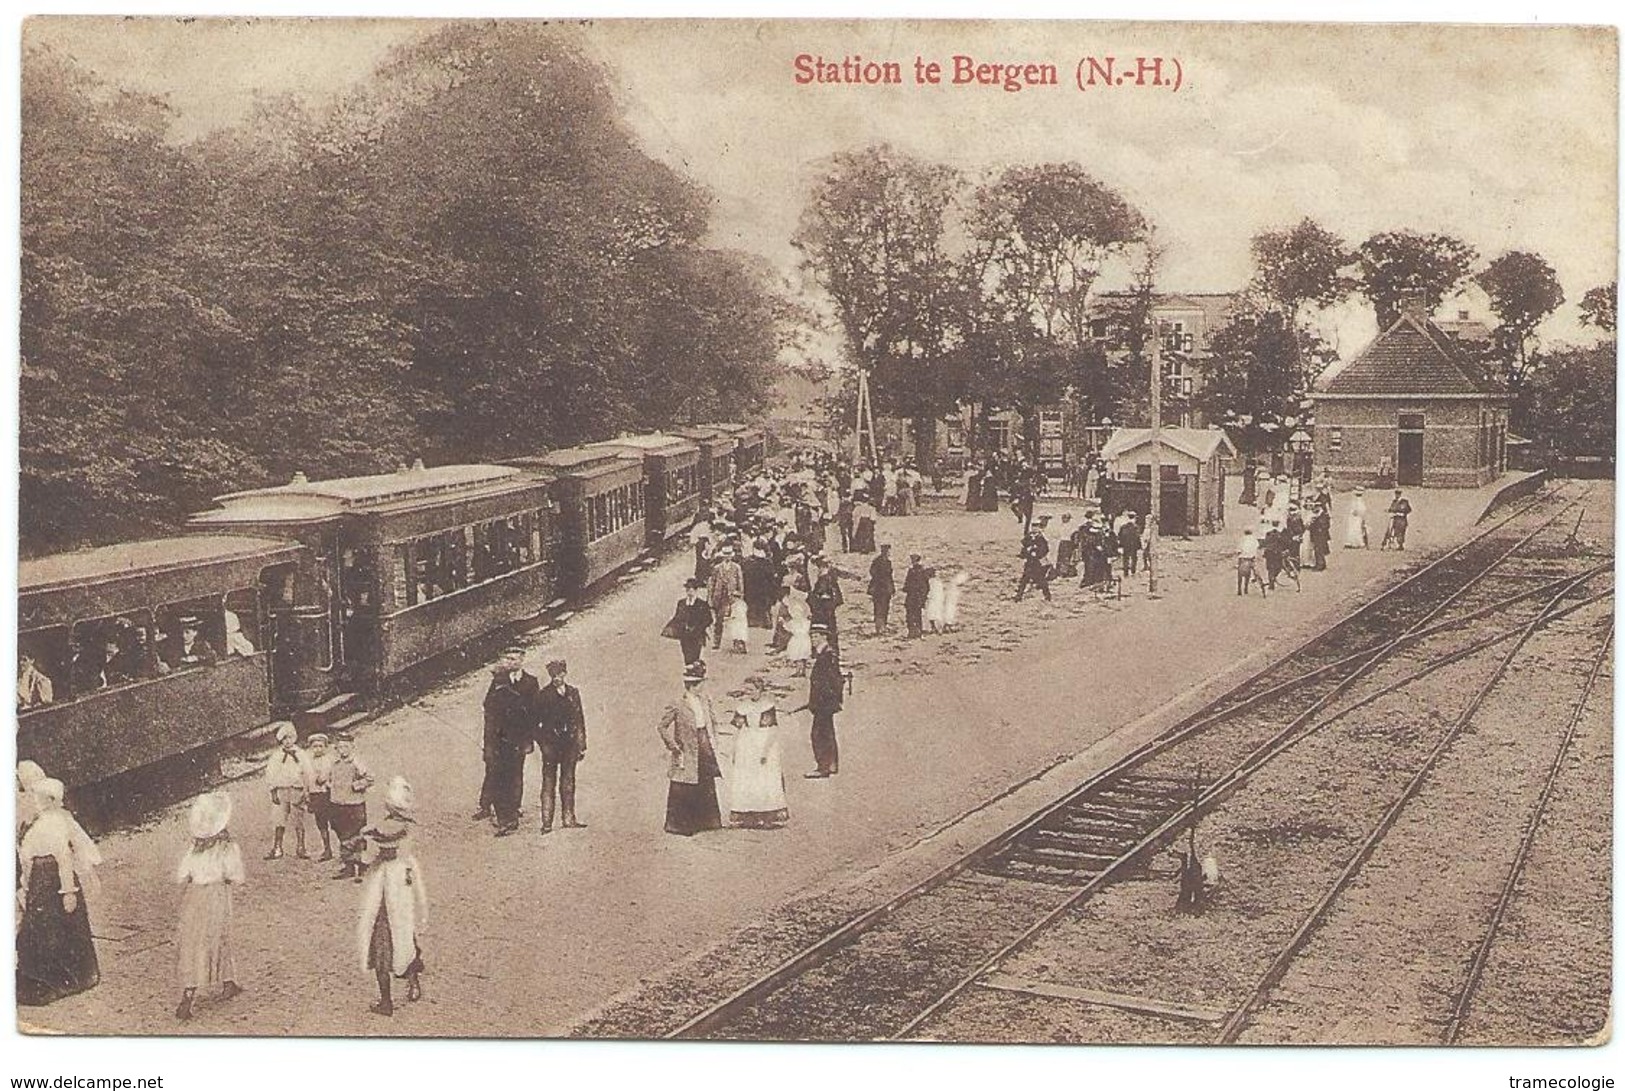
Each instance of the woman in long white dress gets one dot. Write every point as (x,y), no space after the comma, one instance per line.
(936,602)
(208,871)
(1356,535)
(799,650)
(736,627)
(952,590)
(756,784)
(394,903)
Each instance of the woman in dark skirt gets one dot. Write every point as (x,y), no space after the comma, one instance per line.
(55,955)
(688,729)
(863,534)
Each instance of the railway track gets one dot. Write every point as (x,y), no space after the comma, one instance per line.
(1462,1008)
(1313,922)
(889,971)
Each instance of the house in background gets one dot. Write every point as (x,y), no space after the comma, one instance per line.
(1186,322)
(801,417)
(1412,406)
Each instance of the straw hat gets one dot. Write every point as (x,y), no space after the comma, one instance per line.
(29,774)
(210,813)
(286,733)
(399,796)
(48,791)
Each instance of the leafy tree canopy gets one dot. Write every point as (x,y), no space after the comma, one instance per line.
(1396,265)
(467,258)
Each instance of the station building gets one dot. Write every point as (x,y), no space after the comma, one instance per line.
(1413,408)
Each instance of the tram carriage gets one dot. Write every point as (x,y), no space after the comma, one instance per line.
(715,462)
(399,568)
(671,485)
(139,652)
(750,449)
(326,590)
(599,495)
(751,455)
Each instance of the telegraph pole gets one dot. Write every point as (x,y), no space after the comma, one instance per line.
(866,419)
(1154,516)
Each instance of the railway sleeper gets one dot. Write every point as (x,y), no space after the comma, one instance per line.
(1120,805)
(1104,824)
(1149,800)
(1029,872)
(1080,842)
(1077,861)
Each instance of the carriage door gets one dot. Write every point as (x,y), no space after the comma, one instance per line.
(1410,449)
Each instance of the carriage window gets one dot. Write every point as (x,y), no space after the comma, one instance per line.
(405,587)
(42,667)
(682,483)
(111,651)
(189,634)
(358,581)
(242,621)
(438,564)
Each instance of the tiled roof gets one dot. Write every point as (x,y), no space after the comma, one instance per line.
(1198,443)
(1409,357)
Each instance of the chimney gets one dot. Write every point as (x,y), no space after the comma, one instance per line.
(1414,306)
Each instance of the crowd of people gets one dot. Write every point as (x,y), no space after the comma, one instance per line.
(56,954)
(1285,522)
(767,575)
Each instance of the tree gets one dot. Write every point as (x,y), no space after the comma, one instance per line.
(1523,292)
(1301,265)
(467,257)
(1572,398)
(1039,236)
(1395,265)
(1296,268)
(1600,307)
(873,235)
(1252,385)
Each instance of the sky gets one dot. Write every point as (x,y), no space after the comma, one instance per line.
(1504,137)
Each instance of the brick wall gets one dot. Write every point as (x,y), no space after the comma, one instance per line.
(1452,453)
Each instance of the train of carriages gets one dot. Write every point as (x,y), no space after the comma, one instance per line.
(308,594)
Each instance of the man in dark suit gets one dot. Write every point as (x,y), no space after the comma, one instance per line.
(824,598)
(510,730)
(188,648)
(916,588)
(824,691)
(882,586)
(1035,563)
(691,621)
(561,733)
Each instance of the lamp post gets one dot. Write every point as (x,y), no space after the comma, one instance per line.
(1154,516)
(1302,443)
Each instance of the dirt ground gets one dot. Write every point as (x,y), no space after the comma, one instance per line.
(534,934)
